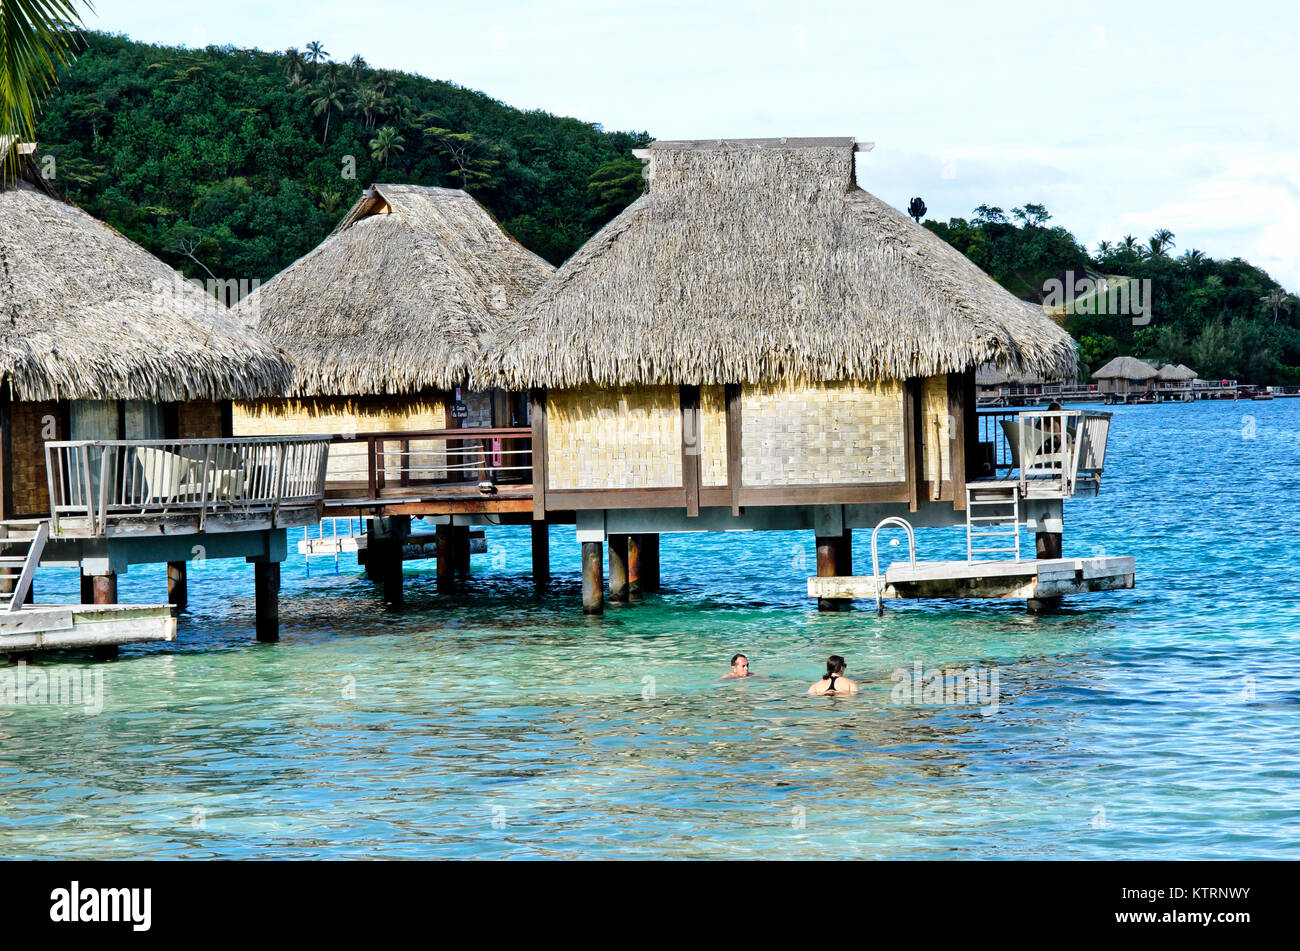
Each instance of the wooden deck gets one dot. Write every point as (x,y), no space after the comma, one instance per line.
(67,626)
(1027,578)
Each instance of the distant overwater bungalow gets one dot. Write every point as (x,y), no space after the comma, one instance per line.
(115,426)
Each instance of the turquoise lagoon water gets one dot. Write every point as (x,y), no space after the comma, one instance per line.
(1156,723)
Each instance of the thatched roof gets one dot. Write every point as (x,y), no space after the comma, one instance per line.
(1125,368)
(761,260)
(86,313)
(398,298)
(1175,374)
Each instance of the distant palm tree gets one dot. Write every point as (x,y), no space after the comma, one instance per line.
(1104,248)
(1130,244)
(293,64)
(1278,300)
(369,103)
(35,42)
(385,144)
(357,64)
(330,99)
(316,55)
(1161,242)
(1193,256)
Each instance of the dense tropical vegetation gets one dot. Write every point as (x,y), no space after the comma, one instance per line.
(1225,319)
(236,162)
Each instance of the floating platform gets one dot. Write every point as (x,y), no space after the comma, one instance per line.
(1029,578)
(68,626)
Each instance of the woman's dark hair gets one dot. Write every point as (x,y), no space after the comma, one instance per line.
(736,658)
(834,665)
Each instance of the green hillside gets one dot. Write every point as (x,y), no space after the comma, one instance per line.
(221,160)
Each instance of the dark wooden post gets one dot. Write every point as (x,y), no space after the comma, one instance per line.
(1046,545)
(266,590)
(648,558)
(105,588)
(460,543)
(634,567)
(830,549)
(87,589)
(178,592)
(593,586)
(104,591)
(541,538)
(446,560)
(618,575)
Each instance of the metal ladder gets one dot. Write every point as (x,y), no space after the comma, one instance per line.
(21,567)
(988,531)
(875,555)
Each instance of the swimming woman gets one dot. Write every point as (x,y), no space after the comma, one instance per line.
(833,682)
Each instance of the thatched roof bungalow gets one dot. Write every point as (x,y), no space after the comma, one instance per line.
(1124,375)
(101,340)
(806,342)
(1175,374)
(384,319)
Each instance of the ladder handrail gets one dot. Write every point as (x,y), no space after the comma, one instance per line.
(29,567)
(875,554)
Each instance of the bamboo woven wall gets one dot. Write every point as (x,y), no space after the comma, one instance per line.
(822,433)
(33,424)
(199,420)
(713,436)
(612,438)
(347,461)
(936,428)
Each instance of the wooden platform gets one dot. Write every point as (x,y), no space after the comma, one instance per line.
(65,626)
(1027,578)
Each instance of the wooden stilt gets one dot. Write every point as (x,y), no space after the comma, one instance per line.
(829,549)
(618,574)
(266,589)
(87,589)
(593,586)
(634,569)
(104,591)
(178,594)
(460,544)
(541,538)
(648,556)
(446,561)
(1046,545)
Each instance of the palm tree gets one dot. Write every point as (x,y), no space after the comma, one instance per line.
(357,64)
(293,64)
(1130,244)
(329,100)
(35,43)
(1193,256)
(387,142)
(1104,248)
(316,55)
(1161,242)
(1278,300)
(369,103)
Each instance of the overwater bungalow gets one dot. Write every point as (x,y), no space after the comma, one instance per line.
(1126,376)
(115,420)
(382,322)
(758,343)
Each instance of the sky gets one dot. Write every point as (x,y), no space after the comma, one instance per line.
(1121,118)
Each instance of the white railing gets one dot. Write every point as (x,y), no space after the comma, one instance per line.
(1061,445)
(100,480)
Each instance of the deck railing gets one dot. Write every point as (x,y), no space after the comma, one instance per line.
(1065,445)
(436,457)
(103,480)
